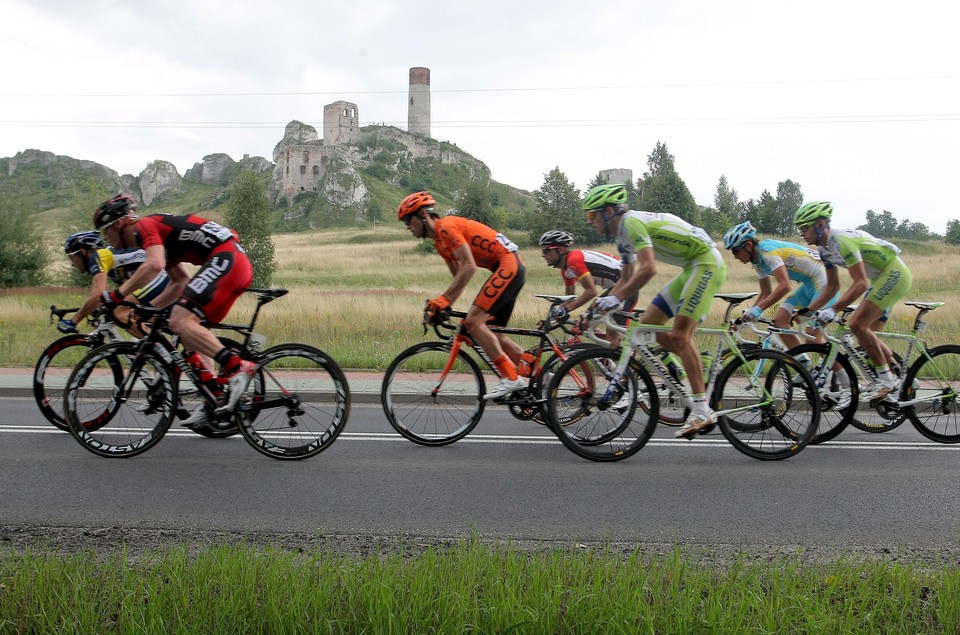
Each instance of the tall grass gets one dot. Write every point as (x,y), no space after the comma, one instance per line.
(467,588)
(359,294)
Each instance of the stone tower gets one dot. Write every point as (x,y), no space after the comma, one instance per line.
(340,123)
(617,175)
(418,109)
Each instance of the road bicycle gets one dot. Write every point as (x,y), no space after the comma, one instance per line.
(928,390)
(296,404)
(60,357)
(432,392)
(767,415)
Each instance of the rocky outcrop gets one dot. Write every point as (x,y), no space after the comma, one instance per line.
(159,181)
(295,134)
(212,171)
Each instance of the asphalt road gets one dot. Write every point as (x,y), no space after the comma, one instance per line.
(508,480)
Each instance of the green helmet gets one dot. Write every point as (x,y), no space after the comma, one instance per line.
(811,211)
(607,194)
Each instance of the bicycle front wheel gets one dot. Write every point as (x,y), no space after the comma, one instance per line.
(423,406)
(131,415)
(297,402)
(595,417)
(770,414)
(934,382)
(51,372)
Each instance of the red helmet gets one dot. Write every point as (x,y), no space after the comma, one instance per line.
(413,203)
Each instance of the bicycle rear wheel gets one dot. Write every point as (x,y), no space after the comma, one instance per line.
(832,420)
(592,423)
(296,404)
(774,416)
(424,409)
(132,415)
(51,372)
(936,381)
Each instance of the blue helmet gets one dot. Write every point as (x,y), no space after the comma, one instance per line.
(82,240)
(738,234)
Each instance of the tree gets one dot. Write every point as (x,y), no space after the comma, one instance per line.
(558,207)
(475,203)
(726,200)
(789,200)
(662,190)
(248,213)
(953,232)
(22,262)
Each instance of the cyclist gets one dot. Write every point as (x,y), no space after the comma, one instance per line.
(878,274)
(467,245)
(88,255)
(642,238)
(169,242)
(593,270)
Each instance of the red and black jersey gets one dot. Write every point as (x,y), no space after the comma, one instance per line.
(186,238)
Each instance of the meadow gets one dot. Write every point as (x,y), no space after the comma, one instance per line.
(359,295)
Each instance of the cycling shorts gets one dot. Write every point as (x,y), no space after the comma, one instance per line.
(890,286)
(803,296)
(498,296)
(220,281)
(691,292)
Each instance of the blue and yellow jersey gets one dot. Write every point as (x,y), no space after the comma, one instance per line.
(120,264)
(803,265)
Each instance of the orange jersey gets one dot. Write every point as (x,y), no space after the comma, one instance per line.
(487,245)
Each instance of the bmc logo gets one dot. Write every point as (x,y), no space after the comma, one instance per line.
(209,274)
(198,236)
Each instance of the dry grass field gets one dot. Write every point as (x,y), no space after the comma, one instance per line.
(358,294)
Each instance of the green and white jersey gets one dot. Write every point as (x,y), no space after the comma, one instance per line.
(674,240)
(847,247)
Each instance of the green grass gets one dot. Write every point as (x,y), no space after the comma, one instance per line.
(469,587)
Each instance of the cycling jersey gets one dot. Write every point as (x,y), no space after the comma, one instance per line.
(676,242)
(603,268)
(890,279)
(802,265)
(491,250)
(119,265)
(847,247)
(224,272)
(186,238)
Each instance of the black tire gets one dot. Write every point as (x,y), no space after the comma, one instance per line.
(296,404)
(582,415)
(890,417)
(541,383)
(775,419)
(423,411)
(134,413)
(936,382)
(832,421)
(51,372)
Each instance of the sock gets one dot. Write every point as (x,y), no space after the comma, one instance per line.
(699,403)
(505,368)
(228,360)
(843,379)
(883,372)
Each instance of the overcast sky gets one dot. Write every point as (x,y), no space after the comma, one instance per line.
(857,101)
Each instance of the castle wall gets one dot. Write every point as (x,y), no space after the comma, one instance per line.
(617,175)
(341,123)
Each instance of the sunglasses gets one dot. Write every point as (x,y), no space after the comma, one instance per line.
(407,220)
(803,228)
(593,214)
(546,249)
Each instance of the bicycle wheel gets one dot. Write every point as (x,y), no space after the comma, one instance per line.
(774,415)
(132,415)
(424,409)
(592,423)
(890,416)
(541,383)
(296,404)
(935,382)
(50,375)
(832,419)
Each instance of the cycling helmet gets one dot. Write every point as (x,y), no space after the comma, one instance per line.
(811,211)
(556,237)
(608,194)
(113,210)
(82,240)
(738,234)
(414,203)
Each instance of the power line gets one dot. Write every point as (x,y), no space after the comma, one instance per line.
(483,90)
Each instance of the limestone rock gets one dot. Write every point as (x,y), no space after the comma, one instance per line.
(159,181)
